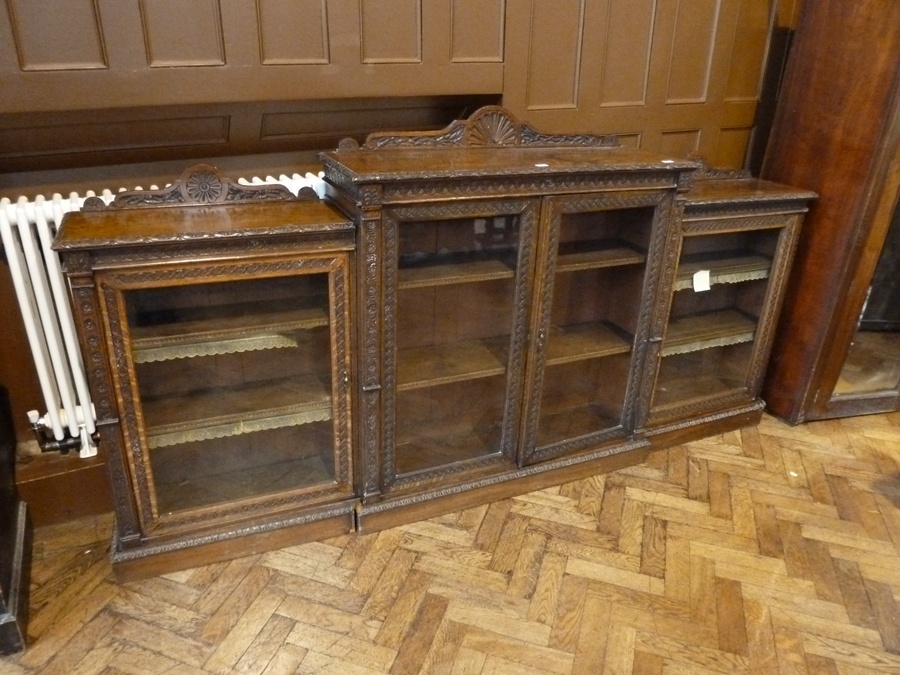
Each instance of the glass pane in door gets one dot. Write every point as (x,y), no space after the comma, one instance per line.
(595,305)
(455,312)
(719,295)
(235,385)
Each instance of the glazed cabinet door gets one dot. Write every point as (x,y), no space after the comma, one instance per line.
(726,293)
(457,288)
(588,336)
(233,379)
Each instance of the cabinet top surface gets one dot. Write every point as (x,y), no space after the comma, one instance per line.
(711,192)
(413,163)
(97,229)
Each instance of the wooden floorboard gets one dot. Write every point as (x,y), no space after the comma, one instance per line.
(772,550)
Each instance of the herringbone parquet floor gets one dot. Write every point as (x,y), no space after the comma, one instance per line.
(770,550)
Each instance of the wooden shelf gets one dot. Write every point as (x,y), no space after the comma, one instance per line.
(728,268)
(710,329)
(456,273)
(442,364)
(218,412)
(584,341)
(423,449)
(611,254)
(191,490)
(224,332)
(696,385)
(573,423)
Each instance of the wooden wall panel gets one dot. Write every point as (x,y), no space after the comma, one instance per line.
(749,53)
(57,34)
(293,32)
(554,63)
(9,54)
(325,123)
(680,143)
(675,75)
(391,31)
(651,70)
(693,47)
(732,147)
(183,33)
(627,39)
(477,31)
(108,135)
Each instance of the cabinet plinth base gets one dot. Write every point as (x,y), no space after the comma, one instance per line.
(392,510)
(153,559)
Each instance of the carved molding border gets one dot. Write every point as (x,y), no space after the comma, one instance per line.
(203,185)
(588,181)
(131,251)
(121,554)
(741,402)
(752,216)
(707,172)
(736,223)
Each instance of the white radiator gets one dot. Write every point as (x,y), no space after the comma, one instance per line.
(27,228)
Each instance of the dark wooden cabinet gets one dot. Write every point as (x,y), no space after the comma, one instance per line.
(837,131)
(471,314)
(735,244)
(518,325)
(218,338)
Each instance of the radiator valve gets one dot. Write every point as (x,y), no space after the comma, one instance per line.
(41,426)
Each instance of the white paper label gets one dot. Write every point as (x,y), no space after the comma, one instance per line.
(701,281)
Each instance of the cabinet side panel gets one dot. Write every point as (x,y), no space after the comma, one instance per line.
(816,143)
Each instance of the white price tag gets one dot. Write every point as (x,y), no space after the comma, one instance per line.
(701,281)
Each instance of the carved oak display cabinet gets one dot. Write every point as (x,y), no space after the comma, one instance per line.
(524,315)
(217,343)
(471,313)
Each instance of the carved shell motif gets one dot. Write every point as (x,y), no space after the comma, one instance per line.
(491,127)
